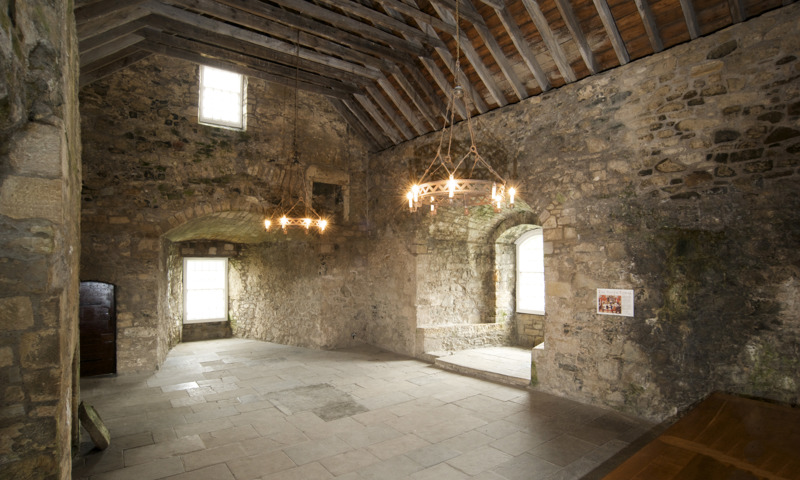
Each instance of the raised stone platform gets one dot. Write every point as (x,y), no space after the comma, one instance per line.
(508,365)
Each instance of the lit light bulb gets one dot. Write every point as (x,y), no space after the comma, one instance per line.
(267,224)
(451,186)
(494,191)
(284,221)
(307,222)
(511,193)
(415,192)
(322,224)
(410,197)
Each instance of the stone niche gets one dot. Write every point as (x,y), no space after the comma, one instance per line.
(155,179)
(675,176)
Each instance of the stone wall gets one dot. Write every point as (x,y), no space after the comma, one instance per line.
(40,178)
(154,176)
(675,176)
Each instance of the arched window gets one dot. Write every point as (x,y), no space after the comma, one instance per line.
(530,272)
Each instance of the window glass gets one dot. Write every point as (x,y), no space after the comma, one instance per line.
(205,289)
(530,273)
(221,98)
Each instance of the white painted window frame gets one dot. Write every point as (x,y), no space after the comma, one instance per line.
(186,261)
(242,94)
(519,293)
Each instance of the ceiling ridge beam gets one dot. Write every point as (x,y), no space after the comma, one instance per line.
(568,14)
(199,59)
(105,67)
(288,73)
(206,36)
(560,59)
(650,25)
(473,57)
(373,92)
(319,29)
(200,21)
(497,53)
(613,32)
(691,18)
(284,33)
(346,23)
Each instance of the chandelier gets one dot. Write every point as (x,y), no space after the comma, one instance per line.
(292,213)
(448,181)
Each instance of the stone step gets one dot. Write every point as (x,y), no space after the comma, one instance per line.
(507,365)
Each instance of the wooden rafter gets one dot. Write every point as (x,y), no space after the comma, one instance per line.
(376,116)
(106,66)
(381,101)
(610,26)
(549,39)
(650,25)
(738,10)
(565,9)
(110,48)
(691,18)
(353,122)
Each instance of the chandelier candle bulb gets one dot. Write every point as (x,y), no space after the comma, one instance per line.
(267,224)
(511,193)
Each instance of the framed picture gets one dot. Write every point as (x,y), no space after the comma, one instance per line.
(615,302)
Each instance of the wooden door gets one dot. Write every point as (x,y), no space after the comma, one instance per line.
(98,329)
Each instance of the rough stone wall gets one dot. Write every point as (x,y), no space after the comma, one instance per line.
(39,238)
(300,291)
(154,175)
(675,176)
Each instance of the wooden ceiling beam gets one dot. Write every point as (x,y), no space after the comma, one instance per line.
(258,51)
(412,94)
(350,24)
(401,105)
(103,8)
(381,101)
(738,10)
(450,5)
(380,137)
(378,18)
(319,29)
(239,33)
(532,6)
(691,18)
(122,16)
(524,50)
(472,56)
(282,32)
(288,74)
(352,121)
(568,14)
(109,48)
(106,66)
(497,52)
(418,15)
(107,36)
(650,25)
(612,31)
(377,118)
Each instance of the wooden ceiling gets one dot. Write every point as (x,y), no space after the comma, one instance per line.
(387,65)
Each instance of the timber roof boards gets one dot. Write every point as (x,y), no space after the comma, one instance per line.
(387,65)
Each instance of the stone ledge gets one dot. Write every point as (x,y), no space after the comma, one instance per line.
(455,337)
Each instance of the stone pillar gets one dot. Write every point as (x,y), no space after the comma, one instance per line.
(40,182)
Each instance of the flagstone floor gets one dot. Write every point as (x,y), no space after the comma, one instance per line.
(240,409)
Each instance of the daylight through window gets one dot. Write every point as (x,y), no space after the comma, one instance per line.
(530,273)
(222,96)
(205,283)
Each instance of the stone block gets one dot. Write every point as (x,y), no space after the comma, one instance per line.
(37,150)
(558,289)
(6,357)
(16,313)
(40,349)
(27,197)
(43,385)
(93,424)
